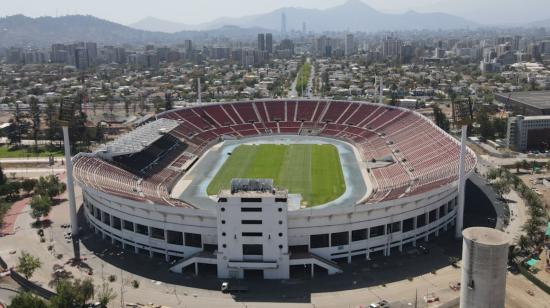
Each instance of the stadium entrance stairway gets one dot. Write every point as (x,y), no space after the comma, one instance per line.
(308,258)
(204,257)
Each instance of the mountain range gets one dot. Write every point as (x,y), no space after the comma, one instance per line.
(19,30)
(354,15)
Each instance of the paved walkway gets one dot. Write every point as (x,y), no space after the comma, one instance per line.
(11,216)
(518,215)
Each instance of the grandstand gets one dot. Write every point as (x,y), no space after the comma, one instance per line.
(423,160)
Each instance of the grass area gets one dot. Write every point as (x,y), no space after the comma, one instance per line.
(314,171)
(303,78)
(4,208)
(6,152)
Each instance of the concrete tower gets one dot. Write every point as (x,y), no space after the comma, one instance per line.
(484,258)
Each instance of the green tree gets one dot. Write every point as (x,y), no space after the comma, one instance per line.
(2,176)
(168,101)
(41,206)
(28,264)
(17,129)
(73,293)
(105,294)
(500,127)
(440,118)
(50,186)
(35,119)
(10,190)
(485,125)
(28,185)
(53,130)
(27,300)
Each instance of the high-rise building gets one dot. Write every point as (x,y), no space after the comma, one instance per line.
(91,49)
(391,46)
(283,23)
(349,45)
(81,59)
(261,41)
(304,28)
(188,45)
(269,43)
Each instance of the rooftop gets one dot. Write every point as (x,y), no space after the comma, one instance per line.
(537,99)
(486,236)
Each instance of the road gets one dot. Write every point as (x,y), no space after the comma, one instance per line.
(293,93)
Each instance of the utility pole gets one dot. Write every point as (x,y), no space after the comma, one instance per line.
(66,116)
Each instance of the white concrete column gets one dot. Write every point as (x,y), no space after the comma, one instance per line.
(70,183)
(426,223)
(461,184)
(415,224)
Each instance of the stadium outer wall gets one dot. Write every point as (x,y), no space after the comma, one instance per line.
(337,231)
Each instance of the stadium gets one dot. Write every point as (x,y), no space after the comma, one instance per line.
(267,188)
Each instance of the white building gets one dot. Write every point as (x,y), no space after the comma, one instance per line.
(252,230)
(526,133)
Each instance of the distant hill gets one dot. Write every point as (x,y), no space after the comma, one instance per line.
(19,30)
(545,23)
(160,25)
(353,15)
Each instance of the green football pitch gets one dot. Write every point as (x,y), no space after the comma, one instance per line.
(312,170)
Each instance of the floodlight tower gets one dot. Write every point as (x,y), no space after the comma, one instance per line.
(461,183)
(381,98)
(66,116)
(199,93)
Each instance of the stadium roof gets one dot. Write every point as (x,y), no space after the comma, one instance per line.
(138,139)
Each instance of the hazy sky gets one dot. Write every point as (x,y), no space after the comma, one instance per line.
(198,11)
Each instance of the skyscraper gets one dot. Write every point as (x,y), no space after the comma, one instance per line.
(304,27)
(261,41)
(283,23)
(269,43)
(349,45)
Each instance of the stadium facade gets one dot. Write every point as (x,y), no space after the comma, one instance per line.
(410,168)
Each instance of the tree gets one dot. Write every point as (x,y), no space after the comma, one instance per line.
(28,264)
(27,300)
(440,118)
(501,187)
(72,293)
(10,190)
(28,185)
(2,176)
(50,186)
(35,119)
(41,206)
(168,101)
(105,294)
(499,127)
(485,125)
(52,122)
